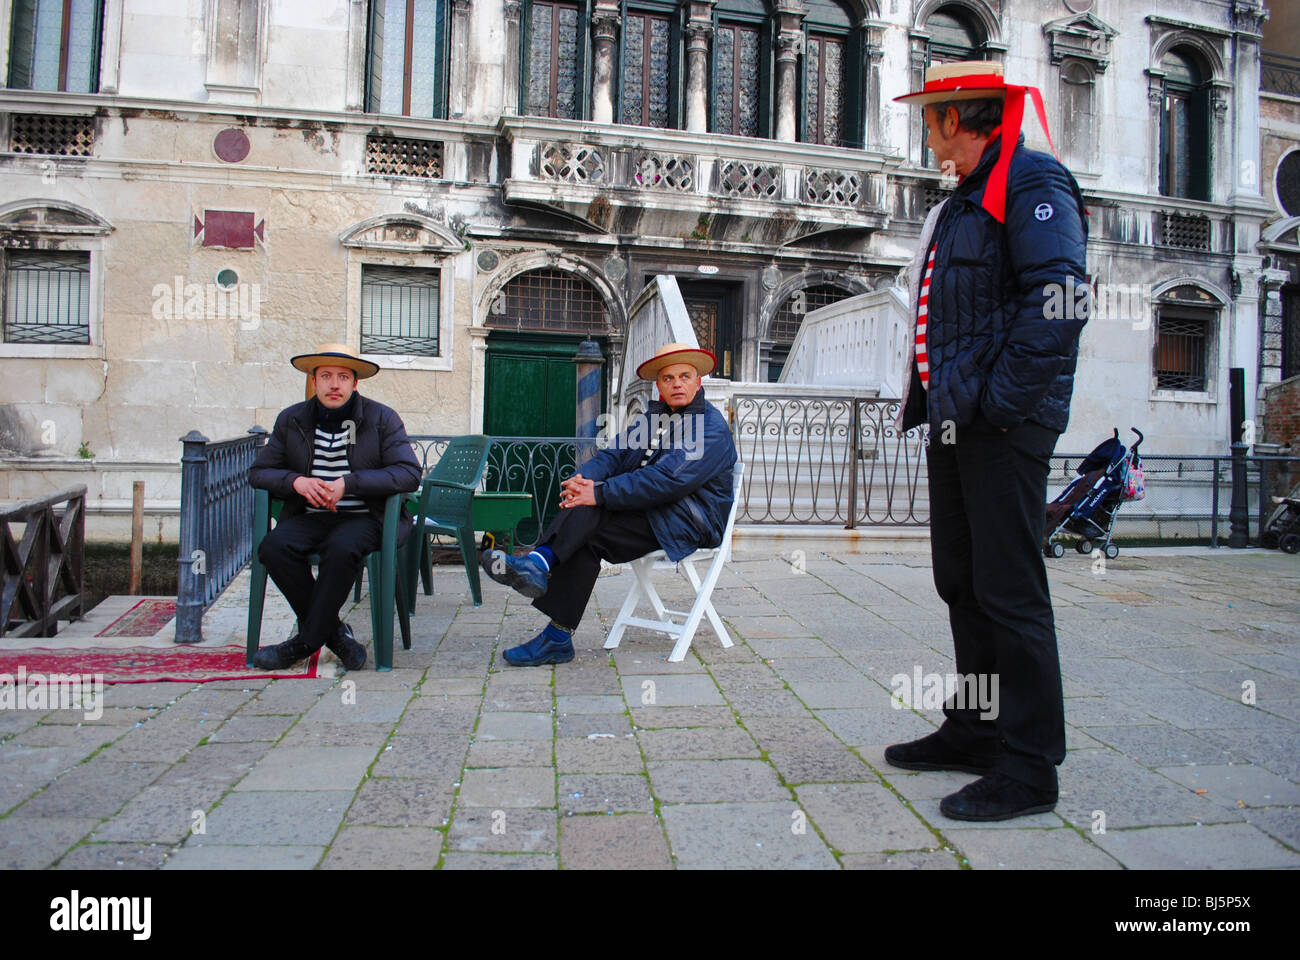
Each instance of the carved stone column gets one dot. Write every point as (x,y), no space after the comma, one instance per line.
(789,45)
(510,80)
(698,34)
(458,50)
(604,31)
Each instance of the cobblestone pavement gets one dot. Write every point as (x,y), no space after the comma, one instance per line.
(768,754)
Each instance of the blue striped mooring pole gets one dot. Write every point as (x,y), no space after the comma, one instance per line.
(590,361)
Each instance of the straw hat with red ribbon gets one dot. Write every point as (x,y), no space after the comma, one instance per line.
(670,353)
(983,80)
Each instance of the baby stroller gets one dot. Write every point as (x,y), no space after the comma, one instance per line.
(1087,507)
(1283,526)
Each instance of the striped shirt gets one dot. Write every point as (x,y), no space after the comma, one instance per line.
(922,318)
(330,462)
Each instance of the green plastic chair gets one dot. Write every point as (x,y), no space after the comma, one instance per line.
(383,566)
(446,506)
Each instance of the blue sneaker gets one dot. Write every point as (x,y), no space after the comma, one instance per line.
(527,575)
(552,645)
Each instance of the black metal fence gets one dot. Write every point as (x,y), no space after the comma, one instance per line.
(216,523)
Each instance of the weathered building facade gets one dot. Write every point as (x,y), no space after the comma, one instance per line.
(193,191)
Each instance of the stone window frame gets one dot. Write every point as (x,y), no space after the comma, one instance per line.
(993,47)
(90,237)
(446,15)
(433,247)
(1207,43)
(855,40)
(110,20)
(582,80)
(765,25)
(1213,311)
(672,9)
(219,83)
(1080,41)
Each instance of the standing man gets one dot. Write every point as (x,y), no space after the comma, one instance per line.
(334,460)
(666,484)
(992,374)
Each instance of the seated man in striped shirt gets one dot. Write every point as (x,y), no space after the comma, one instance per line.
(334,460)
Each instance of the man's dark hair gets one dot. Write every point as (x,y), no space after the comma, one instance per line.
(981,116)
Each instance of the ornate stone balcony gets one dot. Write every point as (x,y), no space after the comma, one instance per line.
(694,186)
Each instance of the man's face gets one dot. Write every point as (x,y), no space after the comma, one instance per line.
(334,385)
(941,137)
(678,384)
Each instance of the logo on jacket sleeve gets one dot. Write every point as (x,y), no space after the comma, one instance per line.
(1043,211)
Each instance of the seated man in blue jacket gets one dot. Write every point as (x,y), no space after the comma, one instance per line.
(665,484)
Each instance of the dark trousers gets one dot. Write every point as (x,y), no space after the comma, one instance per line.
(988,492)
(580,537)
(342,541)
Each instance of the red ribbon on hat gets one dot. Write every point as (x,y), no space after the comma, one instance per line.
(1013,112)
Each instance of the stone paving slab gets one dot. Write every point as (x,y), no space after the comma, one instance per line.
(766,754)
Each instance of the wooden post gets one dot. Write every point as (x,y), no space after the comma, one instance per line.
(137,537)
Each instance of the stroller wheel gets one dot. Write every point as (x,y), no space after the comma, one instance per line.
(1057,549)
(1084,546)
(1269,540)
(1112,551)
(1290,543)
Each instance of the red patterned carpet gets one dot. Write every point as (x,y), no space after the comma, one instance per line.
(145,664)
(143,620)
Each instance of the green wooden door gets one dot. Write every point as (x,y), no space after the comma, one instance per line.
(530,390)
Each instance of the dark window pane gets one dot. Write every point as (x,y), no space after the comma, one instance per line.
(36,50)
(1181,347)
(554,60)
(724,84)
(634,70)
(566,81)
(824,86)
(747,92)
(539,60)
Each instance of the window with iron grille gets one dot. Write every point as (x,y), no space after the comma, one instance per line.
(407,58)
(54,45)
(549,300)
(648,67)
(1182,351)
(555,49)
(399,310)
(47,297)
(1191,231)
(786,323)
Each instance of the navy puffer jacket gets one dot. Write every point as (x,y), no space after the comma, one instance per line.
(1004,309)
(686,490)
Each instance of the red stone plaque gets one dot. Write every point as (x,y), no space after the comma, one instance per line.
(231,145)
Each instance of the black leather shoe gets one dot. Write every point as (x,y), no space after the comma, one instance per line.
(996,797)
(283,655)
(344,645)
(931,753)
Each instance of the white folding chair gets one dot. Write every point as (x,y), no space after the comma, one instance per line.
(702,607)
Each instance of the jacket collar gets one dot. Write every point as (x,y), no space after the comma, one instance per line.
(695,406)
(978,178)
(302,413)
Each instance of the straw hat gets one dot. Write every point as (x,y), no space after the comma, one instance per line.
(335,355)
(671,353)
(967,80)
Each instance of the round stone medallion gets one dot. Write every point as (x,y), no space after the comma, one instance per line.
(231,145)
(488,260)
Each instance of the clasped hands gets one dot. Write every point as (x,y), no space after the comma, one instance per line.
(577,491)
(320,493)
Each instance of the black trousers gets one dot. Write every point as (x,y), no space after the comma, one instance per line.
(342,540)
(988,492)
(580,537)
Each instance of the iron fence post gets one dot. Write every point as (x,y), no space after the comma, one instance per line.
(189,592)
(855,429)
(1214,506)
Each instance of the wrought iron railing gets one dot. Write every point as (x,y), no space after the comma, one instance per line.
(827,460)
(216,523)
(41,570)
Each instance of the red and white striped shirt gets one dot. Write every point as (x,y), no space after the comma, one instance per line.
(922,316)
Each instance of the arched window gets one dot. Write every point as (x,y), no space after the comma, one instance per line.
(649,65)
(742,69)
(1185,126)
(954,35)
(786,323)
(406,58)
(54,45)
(832,76)
(552,301)
(555,55)
(1078,114)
